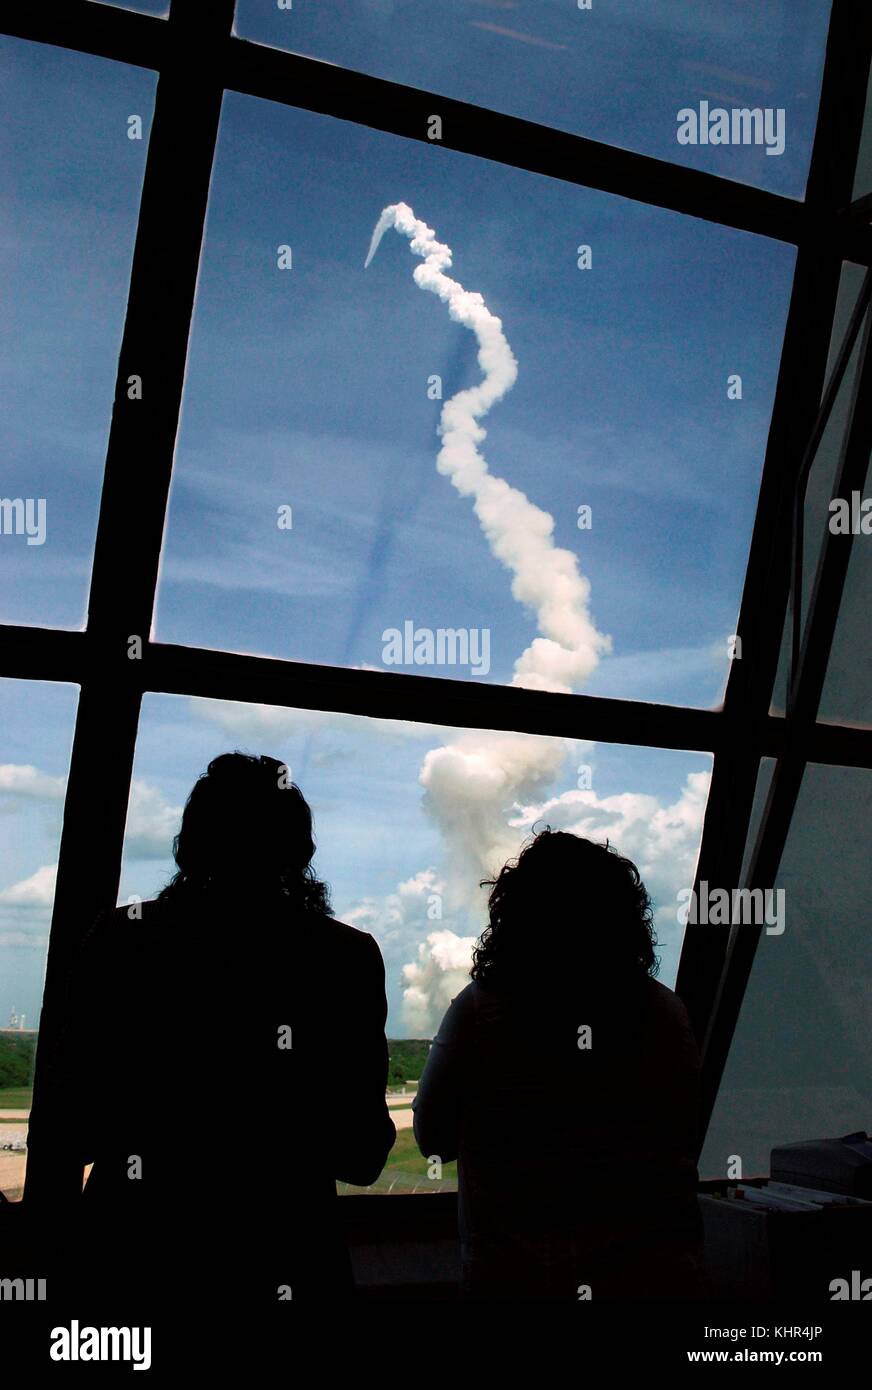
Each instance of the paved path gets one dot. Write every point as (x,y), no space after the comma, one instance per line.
(12,1161)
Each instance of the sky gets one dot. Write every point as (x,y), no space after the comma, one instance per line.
(614,70)
(311,387)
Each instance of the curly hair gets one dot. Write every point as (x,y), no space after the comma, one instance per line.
(246,822)
(581,908)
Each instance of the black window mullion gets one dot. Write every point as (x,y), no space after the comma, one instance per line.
(133,504)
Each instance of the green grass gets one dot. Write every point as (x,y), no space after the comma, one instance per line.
(15,1097)
(406,1171)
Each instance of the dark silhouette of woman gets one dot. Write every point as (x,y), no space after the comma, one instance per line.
(564,1080)
(224,1062)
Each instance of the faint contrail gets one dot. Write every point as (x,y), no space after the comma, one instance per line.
(545,578)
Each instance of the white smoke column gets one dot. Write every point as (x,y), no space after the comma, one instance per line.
(545,578)
(473,785)
(432,981)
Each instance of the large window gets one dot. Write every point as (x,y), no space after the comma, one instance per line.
(277,498)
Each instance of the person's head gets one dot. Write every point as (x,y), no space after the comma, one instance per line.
(569,911)
(247,826)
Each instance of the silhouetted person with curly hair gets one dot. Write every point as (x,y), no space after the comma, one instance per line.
(564,1081)
(224,1062)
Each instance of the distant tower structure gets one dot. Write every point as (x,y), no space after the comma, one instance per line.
(13,1020)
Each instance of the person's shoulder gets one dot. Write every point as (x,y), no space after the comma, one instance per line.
(670,1011)
(113,944)
(666,1001)
(121,924)
(665,996)
(344,937)
(466,999)
(459,1018)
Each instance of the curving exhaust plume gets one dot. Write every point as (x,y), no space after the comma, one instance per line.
(544,577)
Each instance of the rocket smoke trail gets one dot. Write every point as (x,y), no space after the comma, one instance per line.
(544,578)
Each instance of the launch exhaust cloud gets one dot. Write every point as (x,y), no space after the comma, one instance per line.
(545,578)
(485,791)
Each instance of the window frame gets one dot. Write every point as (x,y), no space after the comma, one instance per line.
(198,57)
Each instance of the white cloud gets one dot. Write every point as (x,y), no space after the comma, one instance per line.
(440,972)
(22,779)
(36,891)
(399,919)
(151,823)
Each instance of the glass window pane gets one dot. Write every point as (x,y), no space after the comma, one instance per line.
(847,694)
(799,1067)
(308,516)
(408,819)
(619,72)
(37,721)
(863,179)
(72,179)
(761,791)
(159,8)
(822,476)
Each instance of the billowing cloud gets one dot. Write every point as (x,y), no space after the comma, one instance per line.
(403,915)
(431,982)
(473,785)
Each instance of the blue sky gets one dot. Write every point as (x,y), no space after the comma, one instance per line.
(617,72)
(307,387)
(621,403)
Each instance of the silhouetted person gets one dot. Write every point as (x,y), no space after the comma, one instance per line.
(223,1064)
(564,1080)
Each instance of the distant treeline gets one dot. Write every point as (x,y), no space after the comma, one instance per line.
(407,1058)
(16,1058)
